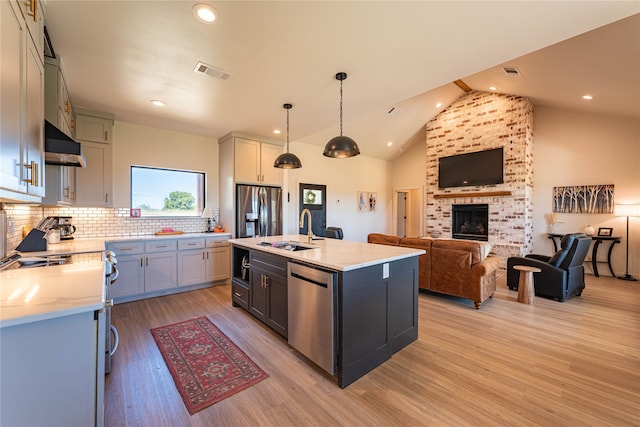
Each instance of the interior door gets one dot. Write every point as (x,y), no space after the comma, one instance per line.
(314,198)
(401,214)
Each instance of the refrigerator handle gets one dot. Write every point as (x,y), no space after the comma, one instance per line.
(263,217)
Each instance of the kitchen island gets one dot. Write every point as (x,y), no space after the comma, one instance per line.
(375,297)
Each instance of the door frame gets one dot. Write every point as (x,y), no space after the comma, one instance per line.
(318,210)
(415,224)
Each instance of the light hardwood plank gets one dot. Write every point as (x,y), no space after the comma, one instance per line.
(552,364)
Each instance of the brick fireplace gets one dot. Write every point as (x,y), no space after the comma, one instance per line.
(479,121)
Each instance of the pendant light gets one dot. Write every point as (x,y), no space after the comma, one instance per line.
(341,146)
(287,160)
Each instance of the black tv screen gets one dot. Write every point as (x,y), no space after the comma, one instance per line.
(478,168)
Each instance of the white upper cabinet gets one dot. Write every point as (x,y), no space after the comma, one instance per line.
(22,108)
(91,128)
(94,184)
(253,162)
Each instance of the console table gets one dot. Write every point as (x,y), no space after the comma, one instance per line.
(594,252)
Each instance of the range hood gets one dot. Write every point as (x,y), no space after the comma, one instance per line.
(60,149)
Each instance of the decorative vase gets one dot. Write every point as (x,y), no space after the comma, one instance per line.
(589,231)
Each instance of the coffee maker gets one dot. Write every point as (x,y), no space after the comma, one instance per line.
(66,228)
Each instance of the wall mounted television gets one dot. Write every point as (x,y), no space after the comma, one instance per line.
(477,168)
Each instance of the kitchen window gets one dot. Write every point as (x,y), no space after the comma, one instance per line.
(159,192)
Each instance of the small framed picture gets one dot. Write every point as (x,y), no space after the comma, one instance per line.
(363,201)
(605,231)
(134,213)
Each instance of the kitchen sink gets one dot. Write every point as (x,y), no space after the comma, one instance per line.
(287,245)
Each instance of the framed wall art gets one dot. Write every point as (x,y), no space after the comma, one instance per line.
(367,201)
(594,199)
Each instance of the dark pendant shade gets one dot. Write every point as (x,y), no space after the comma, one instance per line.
(287,161)
(341,147)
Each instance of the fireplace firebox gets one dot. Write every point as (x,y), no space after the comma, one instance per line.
(470,222)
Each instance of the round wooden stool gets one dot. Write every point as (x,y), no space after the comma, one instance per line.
(526,288)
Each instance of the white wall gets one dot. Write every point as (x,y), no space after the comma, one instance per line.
(410,170)
(343,178)
(408,173)
(574,148)
(146,146)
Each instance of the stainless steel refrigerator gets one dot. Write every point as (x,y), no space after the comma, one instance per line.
(258,211)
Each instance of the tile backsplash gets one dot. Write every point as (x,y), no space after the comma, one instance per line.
(95,222)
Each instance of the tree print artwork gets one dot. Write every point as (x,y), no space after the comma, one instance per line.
(583,199)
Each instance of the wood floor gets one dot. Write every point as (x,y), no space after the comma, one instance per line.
(575,363)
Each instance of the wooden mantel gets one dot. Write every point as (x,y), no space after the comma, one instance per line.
(477,194)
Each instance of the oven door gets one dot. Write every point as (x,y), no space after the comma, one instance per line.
(112,339)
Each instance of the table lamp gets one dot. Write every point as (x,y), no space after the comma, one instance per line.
(209,214)
(627,210)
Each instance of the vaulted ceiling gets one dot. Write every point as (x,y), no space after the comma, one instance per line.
(400,56)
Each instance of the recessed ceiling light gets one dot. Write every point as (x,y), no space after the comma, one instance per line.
(157,102)
(276,131)
(439,104)
(588,97)
(205,13)
(389,144)
(493,88)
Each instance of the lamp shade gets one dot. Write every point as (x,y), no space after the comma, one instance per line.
(208,212)
(341,147)
(627,210)
(287,161)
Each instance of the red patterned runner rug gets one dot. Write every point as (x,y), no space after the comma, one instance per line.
(205,364)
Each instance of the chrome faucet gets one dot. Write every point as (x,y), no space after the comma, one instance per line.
(309,232)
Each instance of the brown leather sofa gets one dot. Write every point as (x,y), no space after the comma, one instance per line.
(456,267)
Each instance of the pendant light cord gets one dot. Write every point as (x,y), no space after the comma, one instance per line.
(287,130)
(341,107)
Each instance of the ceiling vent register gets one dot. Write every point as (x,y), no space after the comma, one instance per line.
(511,71)
(210,70)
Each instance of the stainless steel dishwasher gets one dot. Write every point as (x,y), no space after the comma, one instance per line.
(311,308)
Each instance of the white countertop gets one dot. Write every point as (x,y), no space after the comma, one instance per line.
(98,244)
(34,294)
(340,255)
(221,236)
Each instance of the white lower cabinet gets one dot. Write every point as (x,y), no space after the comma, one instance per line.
(144,267)
(130,256)
(52,372)
(131,276)
(218,260)
(160,271)
(203,260)
(191,258)
(149,268)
